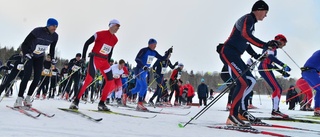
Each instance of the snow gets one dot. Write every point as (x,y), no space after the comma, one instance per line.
(64,124)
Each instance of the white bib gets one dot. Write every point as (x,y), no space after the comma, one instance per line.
(65,75)
(20,67)
(179,75)
(75,68)
(54,73)
(150,59)
(46,71)
(116,76)
(164,70)
(105,49)
(40,49)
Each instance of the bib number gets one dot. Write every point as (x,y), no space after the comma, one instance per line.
(20,67)
(105,49)
(54,73)
(65,75)
(116,76)
(150,59)
(46,71)
(164,70)
(40,49)
(75,68)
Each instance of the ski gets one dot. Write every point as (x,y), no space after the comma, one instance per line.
(21,110)
(247,129)
(123,114)
(251,111)
(281,126)
(169,106)
(310,117)
(38,111)
(80,114)
(290,120)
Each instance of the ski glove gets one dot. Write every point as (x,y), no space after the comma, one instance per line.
(286,67)
(170,50)
(273,43)
(175,64)
(145,68)
(285,74)
(54,61)
(28,56)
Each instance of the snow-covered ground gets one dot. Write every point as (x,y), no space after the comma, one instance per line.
(63,124)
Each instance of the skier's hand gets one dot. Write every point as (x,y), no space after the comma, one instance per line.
(28,56)
(175,64)
(286,68)
(273,43)
(54,61)
(285,74)
(145,68)
(170,50)
(257,56)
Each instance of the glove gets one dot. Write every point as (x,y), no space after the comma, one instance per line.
(53,61)
(145,68)
(286,67)
(175,64)
(285,74)
(273,43)
(28,56)
(170,50)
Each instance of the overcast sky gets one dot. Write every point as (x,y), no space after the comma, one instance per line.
(192,27)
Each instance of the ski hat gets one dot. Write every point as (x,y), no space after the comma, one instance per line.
(52,22)
(152,41)
(78,55)
(202,80)
(281,38)
(113,22)
(180,65)
(260,5)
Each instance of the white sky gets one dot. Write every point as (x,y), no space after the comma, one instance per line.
(192,27)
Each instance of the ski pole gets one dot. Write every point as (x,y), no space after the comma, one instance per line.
(302,92)
(221,94)
(290,58)
(67,77)
(306,103)
(37,88)
(257,70)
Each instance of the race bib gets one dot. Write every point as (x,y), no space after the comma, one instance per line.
(20,67)
(75,68)
(164,70)
(124,75)
(46,71)
(179,75)
(65,75)
(54,73)
(150,59)
(40,49)
(105,49)
(9,71)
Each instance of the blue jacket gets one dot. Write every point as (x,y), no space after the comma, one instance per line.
(146,56)
(313,61)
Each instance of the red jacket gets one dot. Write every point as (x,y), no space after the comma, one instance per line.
(190,90)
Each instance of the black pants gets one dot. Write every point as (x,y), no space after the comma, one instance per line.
(159,89)
(174,88)
(36,64)
(62,86)
(9,78)
(204,100)
(75,78)
(189,99)
(53,83)
(44,85)
(292,105)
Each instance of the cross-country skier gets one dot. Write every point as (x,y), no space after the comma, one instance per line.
(33,49)
(15,64)
(46,74)
(230,54)
(117,71)
(63,76)
(144,60)
(75,66)
(310,73)
(160,68)
(269,64)
(173,82)
(308,95)
(104,42)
